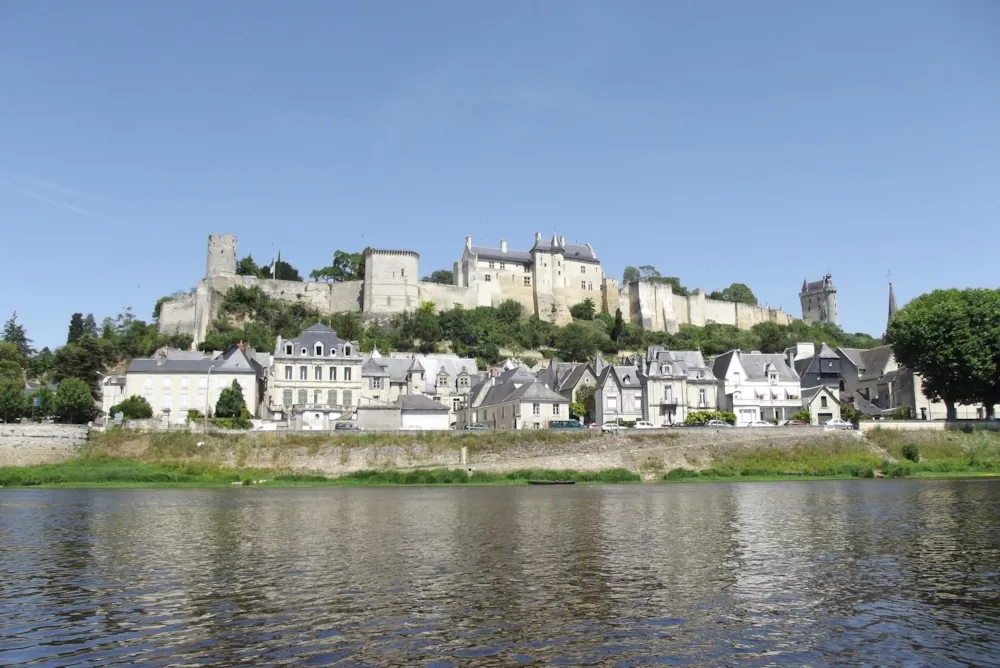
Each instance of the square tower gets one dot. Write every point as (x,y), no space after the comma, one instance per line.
(819,301)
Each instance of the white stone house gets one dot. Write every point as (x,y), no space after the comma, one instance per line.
(173,385)
(822,404)
(676,383)
(315,378)
(446,379)
(513,400)
(619,395)
(758,386)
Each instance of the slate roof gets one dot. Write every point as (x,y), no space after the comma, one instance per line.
(237,363)
(575,252)
(573,377)
(318,333)
(529,391)
(487,253)
(814,364)
(626,376)
(755,365)
(397,368)
(809,392)
(874,361)
(720,365)
(684,363)
(853,355)
(419,402)
(373,369)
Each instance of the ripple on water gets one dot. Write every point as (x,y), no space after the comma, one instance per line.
(722,574)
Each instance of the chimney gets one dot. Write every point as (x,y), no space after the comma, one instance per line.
(538,236)
(562,240)
(503,245)
(468,242)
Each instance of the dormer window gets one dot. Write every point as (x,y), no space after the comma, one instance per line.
(289,349)
(443,380)
(333,351)
(319,350)
(665,369)
(701,375)
(347,350)
(773,377)
(304,352)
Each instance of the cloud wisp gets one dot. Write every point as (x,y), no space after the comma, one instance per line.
(30,186)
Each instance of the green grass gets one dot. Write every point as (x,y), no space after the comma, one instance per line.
(103,472)
(941,454)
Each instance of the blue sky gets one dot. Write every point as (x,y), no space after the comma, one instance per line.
(719,141)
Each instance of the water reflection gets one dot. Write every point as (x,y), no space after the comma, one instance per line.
(889,573)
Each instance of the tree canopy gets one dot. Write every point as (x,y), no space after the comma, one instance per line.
(282,270)
(952,339)
(14,333)
(442,276)
(736,292)
(648,272)
(584,310)
(74,402)
(345,267)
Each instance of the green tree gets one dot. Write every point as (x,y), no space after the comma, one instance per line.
(803,416)
(285,272)
(423,325)
(41,364)
(15,334)
(347,325)
(46,403)
(346,267)
(83,360)
(952,339)
(12,402)
(584,310)
(134,408)
(442,276)
(248,267)
(577,411)
(75,328)
(736,292)
(90,325)
(74,401)
(231,403)
(576,343)
(619,327)
(585,397)
(630,275)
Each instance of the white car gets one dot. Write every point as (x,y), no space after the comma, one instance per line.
(642,424)
(612,427)
(838,424)
(758,423)
(717,423)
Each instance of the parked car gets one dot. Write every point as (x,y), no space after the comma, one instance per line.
(476,427)
(566,424)
(838,424)
(346,426)
(795,423)
(717,423)
(594,425)
(758,423)
(643,424)
(612,427)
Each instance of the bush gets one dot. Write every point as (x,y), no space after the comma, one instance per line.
(698,418)
(804,416)
(231,403)
(133,408)
(680,474)
(584,310)
(74,402)
(911,452)
(232,423)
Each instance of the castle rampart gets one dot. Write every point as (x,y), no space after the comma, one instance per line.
(546,282)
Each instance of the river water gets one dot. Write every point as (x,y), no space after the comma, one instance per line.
(820,573)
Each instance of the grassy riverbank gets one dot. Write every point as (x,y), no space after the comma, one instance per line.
(885,453)
(103,472)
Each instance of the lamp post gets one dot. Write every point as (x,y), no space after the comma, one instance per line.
(208,393)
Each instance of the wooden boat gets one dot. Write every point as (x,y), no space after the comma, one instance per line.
(552,482)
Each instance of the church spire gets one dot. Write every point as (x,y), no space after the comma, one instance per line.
(892,311)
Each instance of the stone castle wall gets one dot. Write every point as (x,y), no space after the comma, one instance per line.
(31,444)
(392,286)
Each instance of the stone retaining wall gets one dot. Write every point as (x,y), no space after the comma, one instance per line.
(29,444)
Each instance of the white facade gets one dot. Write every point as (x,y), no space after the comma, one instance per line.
(316,376)
(758,386)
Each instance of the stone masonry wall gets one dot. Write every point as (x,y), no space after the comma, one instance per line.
(30,444)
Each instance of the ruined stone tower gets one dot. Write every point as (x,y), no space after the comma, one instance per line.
(221,255)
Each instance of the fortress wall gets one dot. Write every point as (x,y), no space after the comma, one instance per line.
(610,296)
(721,312)
(178,316)
(445,297)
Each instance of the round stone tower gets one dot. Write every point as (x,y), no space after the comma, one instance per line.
(391,278)
(221,255)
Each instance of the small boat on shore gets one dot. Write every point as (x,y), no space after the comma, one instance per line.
(552,482)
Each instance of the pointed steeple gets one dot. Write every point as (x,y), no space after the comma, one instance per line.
(415,366)
(598,364)
(892,312)
(375,353)
(555,240)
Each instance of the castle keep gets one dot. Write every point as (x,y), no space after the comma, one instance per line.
(546,280)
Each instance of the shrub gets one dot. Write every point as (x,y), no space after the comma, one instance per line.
(911,452)
(584,310)
(134,408)
(231,403)
(698,418)
(804,416)
(74,402)
(232,423)
(680,474)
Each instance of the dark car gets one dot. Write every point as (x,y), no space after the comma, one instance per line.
(796,423)
(346,426)
(566,424)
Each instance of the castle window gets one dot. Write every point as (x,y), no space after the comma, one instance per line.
(665,370)
(583,285)
(319,350)
(347,351)
(536,409)
(375,383)
(333,373)
(489,277)
(402,273)
(443,380)
(583,269)
(527,267)
(289,349)
(303,373)
(316,396)
(503,265)
(318,373)
(463,381)
(527,281)
(333,351)
(288,373)
(492,264)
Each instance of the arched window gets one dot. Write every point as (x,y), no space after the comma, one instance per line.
(319,350)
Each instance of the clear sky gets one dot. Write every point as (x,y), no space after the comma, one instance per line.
(763,142)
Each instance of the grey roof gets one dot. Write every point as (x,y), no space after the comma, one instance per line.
(372,368)
(513,391)
(817,286)
(419,402)
(398,368)
(874,361)
(517,375)
(853,355)
(575,252)
(318,333)
(174,354)
(720,365)
(755,366)
(626,376)
(808,393)
(415,365)
(487,253)
(237,363)
(683,363)
(827,353)
(573,377)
